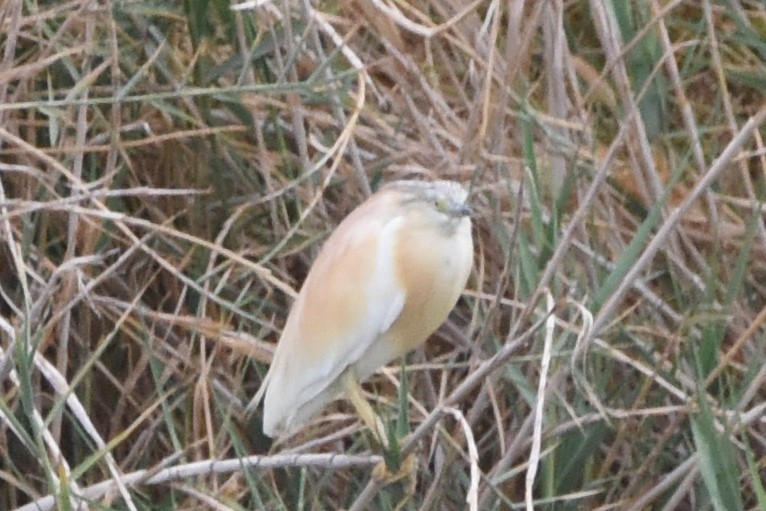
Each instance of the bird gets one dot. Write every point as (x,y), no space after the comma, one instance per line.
(383,282)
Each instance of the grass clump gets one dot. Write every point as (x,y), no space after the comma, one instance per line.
(168,170)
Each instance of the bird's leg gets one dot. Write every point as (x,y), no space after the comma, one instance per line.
(363,408)
(393,467)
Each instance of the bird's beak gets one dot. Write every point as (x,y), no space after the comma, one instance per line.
(463,210)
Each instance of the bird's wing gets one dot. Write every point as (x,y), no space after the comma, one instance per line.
(350,297)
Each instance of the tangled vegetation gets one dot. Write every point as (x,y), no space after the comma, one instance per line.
(168,170)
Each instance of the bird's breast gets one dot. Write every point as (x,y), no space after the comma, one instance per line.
(432,266)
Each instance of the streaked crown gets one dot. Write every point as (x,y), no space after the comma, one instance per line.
(447,197)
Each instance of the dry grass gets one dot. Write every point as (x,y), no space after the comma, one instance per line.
(169,169)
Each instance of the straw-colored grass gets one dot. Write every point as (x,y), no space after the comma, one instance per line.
(168,170)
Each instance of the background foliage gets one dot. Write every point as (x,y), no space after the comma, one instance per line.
(168,170)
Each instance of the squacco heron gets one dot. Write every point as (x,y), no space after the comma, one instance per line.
(384,281)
